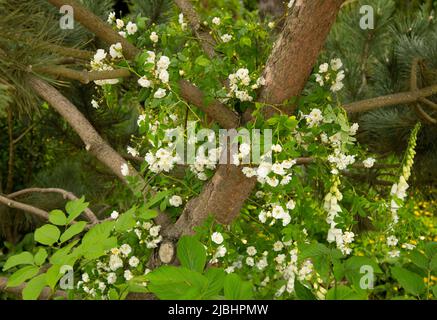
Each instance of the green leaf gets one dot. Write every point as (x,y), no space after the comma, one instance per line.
(40,256)
(47,234)
(75,208)
(125,221)
(342,293)
(73,230)
(419,259)
(58,218)
(34,287)
(236,289)
(156,199)
(354,272)
(202,61)
(191,253)
(410,281)
(147,214)
(302,292)
(216,280)
(22,275)
(177,283)
(53,275)
(434,290)
(433,264)
(21,258)
(245,41)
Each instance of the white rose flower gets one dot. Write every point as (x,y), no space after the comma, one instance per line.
(115,51)
(144,82)
(323,68)
(126,249)
(114,215)
(216,21)
(226,38)
(217,238)
(124,169)
(134,261)
(251,251)
(160,93)
(119,23)
(131,28)
(175,201)
(128,275)
(112,278)
(291,205)
(154,37)
(369,162)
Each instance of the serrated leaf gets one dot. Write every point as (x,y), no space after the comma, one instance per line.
(47,234)
(419,259)
(75,208)
(72,231)
(177,283)
(343,293)
(191,253)
(22,275)
(237,289)
(19,259)
(58,218)
(302,292)
(410,281)
(216,280)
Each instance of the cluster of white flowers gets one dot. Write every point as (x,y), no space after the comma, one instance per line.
(332,207)
(330,74)
(226,38)
(147,233)
(275,212)
(340,160)
(278,173)
(100,62)
(399,192)
(240,85)
(124,29)
(221,250)
(163,160)
(203,161)
(118,263)
(157,76)
(314,118)
(288,267)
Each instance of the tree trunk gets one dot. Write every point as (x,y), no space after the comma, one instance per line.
(286,73)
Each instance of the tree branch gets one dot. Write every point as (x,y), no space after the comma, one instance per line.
(25,207)
(390,100)
(207,42)
(215,110)
(101,29)
(65,194)
(83,76)
(93,141)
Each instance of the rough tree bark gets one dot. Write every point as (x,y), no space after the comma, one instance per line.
(94,143)
(286,73)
